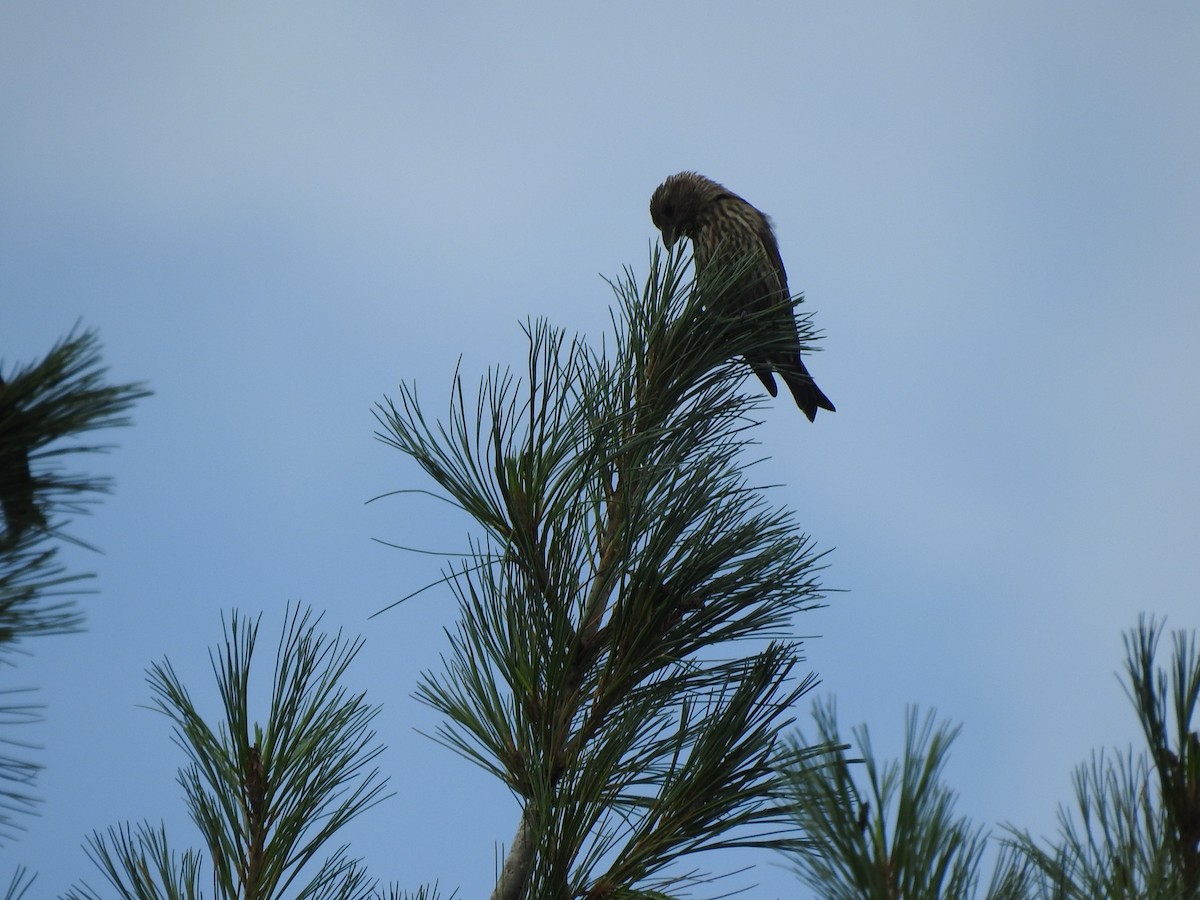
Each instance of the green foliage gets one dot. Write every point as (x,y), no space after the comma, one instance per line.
(41,405)
(19,885)
(266,798)
(1132,834)
(425,892)
(44,408)
(623,552)
(897,836)
(1135,828)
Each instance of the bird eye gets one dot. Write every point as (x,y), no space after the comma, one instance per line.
(668,210)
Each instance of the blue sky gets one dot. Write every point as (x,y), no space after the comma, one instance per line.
(273,214)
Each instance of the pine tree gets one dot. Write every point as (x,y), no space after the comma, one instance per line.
(891,834)
(267,797)
(1135,828)
(44,408)
(1133,833)
(623,659)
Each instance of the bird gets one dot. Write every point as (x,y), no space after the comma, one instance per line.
(724,230)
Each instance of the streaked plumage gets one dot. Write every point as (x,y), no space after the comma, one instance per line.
(724,229)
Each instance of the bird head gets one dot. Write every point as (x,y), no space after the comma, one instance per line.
(678,202)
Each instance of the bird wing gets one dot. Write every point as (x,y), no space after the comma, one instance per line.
(766,234)
(786,320)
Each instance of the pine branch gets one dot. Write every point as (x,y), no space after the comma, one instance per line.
(1134,830)
(64,395)
(266,798)
(43,407)
(623,551)
(20,883)
(896,836)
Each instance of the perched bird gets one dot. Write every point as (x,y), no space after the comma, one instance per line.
(724,229)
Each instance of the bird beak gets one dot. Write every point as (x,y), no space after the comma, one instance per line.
(669,237)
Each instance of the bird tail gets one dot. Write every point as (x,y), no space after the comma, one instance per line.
(763,371)
(808,396)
